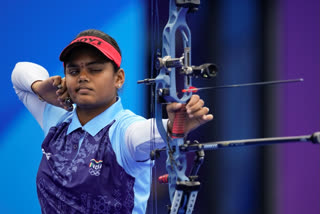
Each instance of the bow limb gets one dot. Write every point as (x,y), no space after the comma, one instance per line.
(182,189)
(166,91)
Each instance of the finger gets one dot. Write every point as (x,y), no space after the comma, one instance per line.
(207,117)
(193,100)
(62,88)
(60,91)
(196,107)
(63,82)
(63,96)
(199,113)
(56,81)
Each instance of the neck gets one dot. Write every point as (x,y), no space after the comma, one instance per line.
(87,113)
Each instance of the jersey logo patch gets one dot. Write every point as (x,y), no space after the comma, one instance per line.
(95,167)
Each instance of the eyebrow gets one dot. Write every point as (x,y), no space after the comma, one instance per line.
(69,65)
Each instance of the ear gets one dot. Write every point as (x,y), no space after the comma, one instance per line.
(119,78)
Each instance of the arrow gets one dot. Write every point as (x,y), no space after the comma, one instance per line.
(194,89)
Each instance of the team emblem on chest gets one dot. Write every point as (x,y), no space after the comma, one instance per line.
(95,167)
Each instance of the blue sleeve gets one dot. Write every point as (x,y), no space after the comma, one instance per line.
(52,116)
(118,131)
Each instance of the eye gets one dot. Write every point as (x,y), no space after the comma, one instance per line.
(73,72)
(95,70)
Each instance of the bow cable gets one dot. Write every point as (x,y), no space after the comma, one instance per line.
(155,49)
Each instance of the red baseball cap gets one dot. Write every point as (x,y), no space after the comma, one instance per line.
(103,46)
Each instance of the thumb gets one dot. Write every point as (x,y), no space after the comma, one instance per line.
(56,80)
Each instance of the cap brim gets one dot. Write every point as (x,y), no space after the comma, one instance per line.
(104,47)
(66,51)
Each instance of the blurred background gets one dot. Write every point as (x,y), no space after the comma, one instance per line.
(248,40)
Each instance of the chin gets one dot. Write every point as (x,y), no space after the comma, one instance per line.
(85,103)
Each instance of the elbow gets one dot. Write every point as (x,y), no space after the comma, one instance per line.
(14,72)
(17,70)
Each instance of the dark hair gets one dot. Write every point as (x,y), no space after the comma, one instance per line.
(105,37)
(102,35)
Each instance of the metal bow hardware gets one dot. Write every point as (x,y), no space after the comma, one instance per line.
(183,188)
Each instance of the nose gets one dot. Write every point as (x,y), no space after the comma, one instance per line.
(83,76)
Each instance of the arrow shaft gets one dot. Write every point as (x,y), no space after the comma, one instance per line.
(248,84)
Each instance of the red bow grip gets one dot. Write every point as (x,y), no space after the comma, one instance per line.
(178,123)
(163,179)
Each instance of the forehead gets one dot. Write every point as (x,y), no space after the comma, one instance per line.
(85,54)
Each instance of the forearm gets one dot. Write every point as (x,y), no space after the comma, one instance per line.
(141,137)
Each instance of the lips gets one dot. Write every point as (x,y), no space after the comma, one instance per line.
(83,89)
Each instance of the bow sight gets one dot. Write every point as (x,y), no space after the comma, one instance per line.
(206,71)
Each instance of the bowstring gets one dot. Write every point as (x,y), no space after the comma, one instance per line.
(155,49)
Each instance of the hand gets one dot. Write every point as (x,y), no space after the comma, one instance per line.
(54,91)
(196,114)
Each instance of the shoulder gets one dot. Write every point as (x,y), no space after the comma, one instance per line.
(125,118)
(54,116)
(128,115)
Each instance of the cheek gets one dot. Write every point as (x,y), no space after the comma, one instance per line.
(107,82)
(69,86)
(107,87)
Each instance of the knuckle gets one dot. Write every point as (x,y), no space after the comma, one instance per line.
(196,96)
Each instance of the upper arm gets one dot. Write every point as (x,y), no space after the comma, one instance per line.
(53,115)
(23,75)
(141,138)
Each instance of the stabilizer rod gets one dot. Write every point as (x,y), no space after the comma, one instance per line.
(193,147)
(314,138)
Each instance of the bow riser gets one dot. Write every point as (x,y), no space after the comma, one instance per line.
(176,24)
(178,183)
(176,163)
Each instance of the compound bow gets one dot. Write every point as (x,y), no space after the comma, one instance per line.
(183,188)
